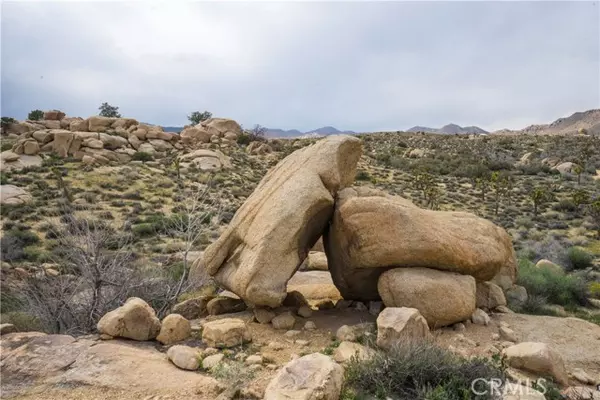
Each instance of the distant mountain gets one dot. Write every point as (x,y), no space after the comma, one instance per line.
(450,129)
(175,129)
(324,131)
(580,122)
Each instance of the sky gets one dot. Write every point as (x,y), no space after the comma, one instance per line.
(362,66)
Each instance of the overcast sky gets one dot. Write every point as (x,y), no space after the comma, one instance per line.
(362,66)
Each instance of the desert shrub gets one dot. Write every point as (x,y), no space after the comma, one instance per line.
(243,139)
(23,321)
(417,370)
(565,205)
(535,304)
(363,176)
(143,230)
(579,258)
(5,146)
(14,242)
(558,287)
(142,156)
(594,288)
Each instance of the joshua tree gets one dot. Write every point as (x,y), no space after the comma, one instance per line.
(539,196)
(499,185)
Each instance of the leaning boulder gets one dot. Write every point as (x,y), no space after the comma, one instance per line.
(396,325)
(443,298)
(312,377)
(134,320)
(538,358)
(272,232)
(372,231)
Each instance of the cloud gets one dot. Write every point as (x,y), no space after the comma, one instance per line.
(363,66)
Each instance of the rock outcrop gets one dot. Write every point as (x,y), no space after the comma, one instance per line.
(11,194)
(273,231)
(372,232)
(442,298)
(538,358)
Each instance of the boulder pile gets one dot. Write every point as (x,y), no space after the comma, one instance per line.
(377,246)
(101,140)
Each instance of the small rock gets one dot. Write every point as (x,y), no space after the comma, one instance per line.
(495,336)
(227,332)
(348,350)
(504,310)
(345,333)
(460,327)
(538,358)
(310,326)
(275,346)
(292,333)
(7,328)
(283,321)
(375,307)
(508,334)
(343,304)
(254,359)
(184,357)
(263,315)
(480,317)
(174,328)
(582,376)
(301,342)
(305,311)
(209,351)
(211,361)
(397,324)
(225,305)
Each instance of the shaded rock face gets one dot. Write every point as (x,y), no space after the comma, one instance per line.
(273,231)
(443,298)
(372,232)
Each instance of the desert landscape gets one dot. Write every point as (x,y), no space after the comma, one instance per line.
(218,263)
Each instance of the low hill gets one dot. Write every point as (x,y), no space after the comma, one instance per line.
(450,129)
(587,122)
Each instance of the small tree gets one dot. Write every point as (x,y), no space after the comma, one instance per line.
(106,110)
(196,117)
(499,185)
(6,121)
(581,197)
(578,169)
(539,196)
(257,133)
(594,212)
(35,115)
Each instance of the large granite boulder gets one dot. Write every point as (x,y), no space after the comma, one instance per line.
(442,298)
(372,232)
(273,231)
(134,320)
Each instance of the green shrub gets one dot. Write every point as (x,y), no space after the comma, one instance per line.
(579,258)
(23,321)
(142,156)
(6,146)
(363,176)
(565,205)
(243,139)
(35,115)
(556,286)
(143,230)
(417,370)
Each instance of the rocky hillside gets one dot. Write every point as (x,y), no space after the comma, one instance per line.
(586,122)
(268,269)
(450,129)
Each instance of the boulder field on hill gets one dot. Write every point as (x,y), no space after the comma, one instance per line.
(102,140)
(427,254)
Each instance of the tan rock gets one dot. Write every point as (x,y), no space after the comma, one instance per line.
(174,328)
(184,357)
(124,123)
(160,145)
(317,261)
(549,265)
(272,232)
(62,142)
(226,332)
(54,115)
(50,124)
(194,135)
(9,156)
(43,136)
(113,142)
(488,295)
(538,358)
(312,377)
(78,125)
(442,298)
(99,124)
(347,351)
(93,143)
(480,317)
(451,241)
(263,315)
(314,285)
(284,321)
(11,194)
(192,308)
(212,361)
(31,148)
(225,305)
(395,325)
(134,320)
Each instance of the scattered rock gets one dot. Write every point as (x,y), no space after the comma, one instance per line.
(314,376)
(516,295)
(192,308)
(508,334)
(395,325)
(305,311)
(212,361)
(263,315)
(489,295)
(310,326)
(184,357)
(581,393)
(7,328)
(442,298)
(11,194)
(225,305)
(134,320)
(582,376)
(480,317)
(283,321)
(174,328)
(348,350)
(254,359)
(227,332)
(460,327)
(538,358)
